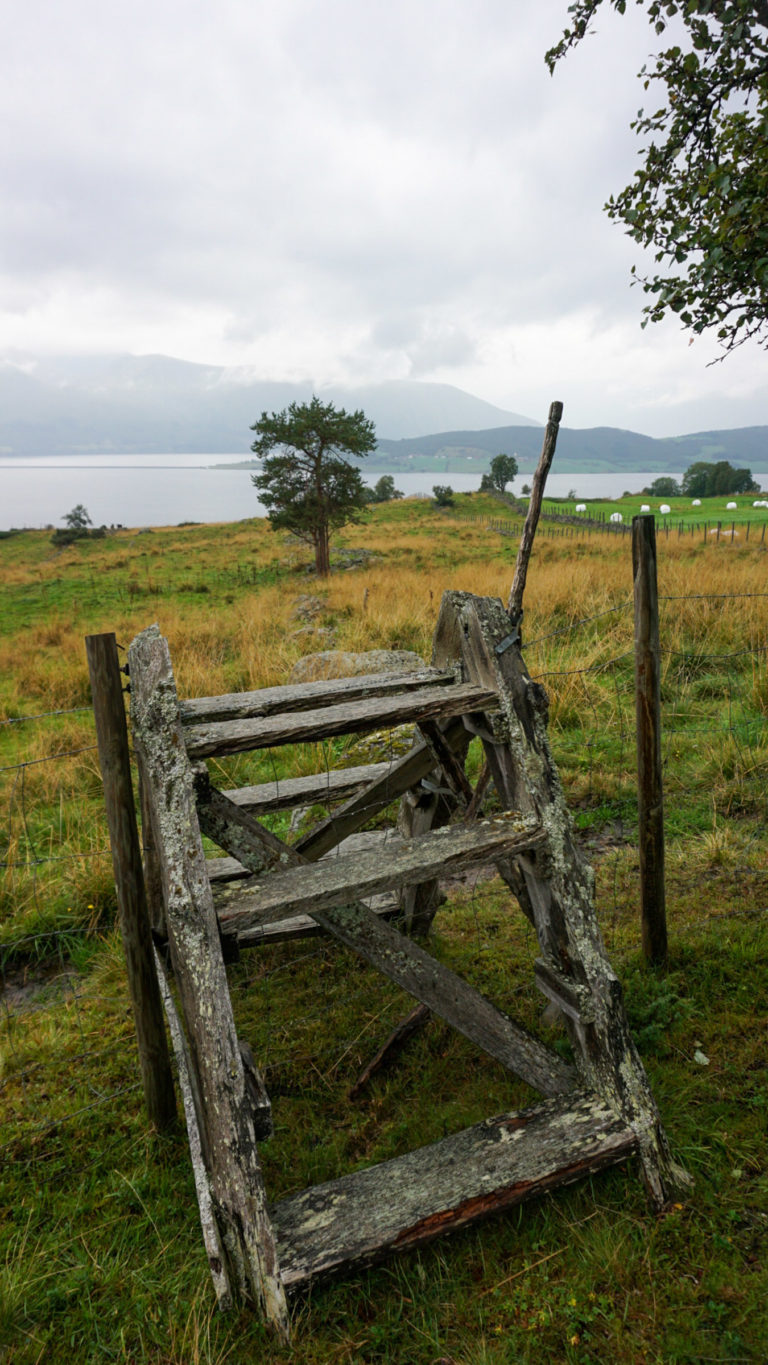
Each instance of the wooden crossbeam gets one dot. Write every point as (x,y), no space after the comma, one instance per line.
(316,789)
(328,893)
(368,713)
(270,701)
(399,777)
(340,880)
(403,1203)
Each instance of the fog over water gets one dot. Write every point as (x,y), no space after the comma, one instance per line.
(163,490)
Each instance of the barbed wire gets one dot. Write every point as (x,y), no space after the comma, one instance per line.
(43,715)
(58,858)
(574,625)
(708,596)
(47,758)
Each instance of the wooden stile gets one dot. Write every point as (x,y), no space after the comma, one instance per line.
(596,1112)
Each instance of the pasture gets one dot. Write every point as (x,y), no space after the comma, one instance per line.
(101,1252)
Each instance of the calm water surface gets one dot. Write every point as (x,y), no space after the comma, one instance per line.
(163,490)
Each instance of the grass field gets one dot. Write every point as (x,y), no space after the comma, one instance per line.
(100,1251)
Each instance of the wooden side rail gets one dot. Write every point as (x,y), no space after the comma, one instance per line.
(270,701)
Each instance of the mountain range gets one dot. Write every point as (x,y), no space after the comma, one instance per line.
(124,404)
(156,404)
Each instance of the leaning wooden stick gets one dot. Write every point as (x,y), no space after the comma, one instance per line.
(515,604)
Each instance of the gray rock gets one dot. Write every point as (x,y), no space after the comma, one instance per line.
(341,663)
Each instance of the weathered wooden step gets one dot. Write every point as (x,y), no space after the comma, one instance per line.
(336,881)
(403,1203)
(385,907)
(368,713)
(336,784)
(230,869)
(270,701)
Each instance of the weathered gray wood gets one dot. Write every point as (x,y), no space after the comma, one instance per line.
(650,796)
(515,603)
(559,886)
(239,736)
(422,809)
(303,926)
(399,777)
(261,1105)
(270,701)
(114,762)
(316,789)
(406,1202)
(322,890)
(230,870)
(571,998)
(153,882)
(450,767)
(336,881)
(211,1239)
(232,828)
(234,1171)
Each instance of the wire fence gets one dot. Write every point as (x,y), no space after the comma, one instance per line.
(60,982)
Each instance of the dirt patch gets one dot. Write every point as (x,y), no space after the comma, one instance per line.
(29,988)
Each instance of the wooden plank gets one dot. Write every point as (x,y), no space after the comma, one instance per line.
(323,890)
(270,701)
(399,777)
(558,884)
(336,881)
(303,926)
(212,1241)
(237,1188)
(239,736)
(114,762)
(316,789)
(230,870)
(403,1203)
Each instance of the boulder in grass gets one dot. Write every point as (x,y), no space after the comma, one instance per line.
(342,663)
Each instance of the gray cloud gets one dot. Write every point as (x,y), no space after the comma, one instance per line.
(348,191)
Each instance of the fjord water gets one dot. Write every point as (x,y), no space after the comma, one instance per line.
(163,490)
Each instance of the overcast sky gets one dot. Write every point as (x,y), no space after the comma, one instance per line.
(354,190)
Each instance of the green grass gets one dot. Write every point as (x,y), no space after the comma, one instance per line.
(101,1256)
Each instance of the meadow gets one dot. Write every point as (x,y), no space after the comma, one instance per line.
(101,1256)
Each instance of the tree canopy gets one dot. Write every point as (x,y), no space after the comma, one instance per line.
(700,197)
(77,519)
(384,490)
(306,482)
(663,487)
(702,480)
(503,470)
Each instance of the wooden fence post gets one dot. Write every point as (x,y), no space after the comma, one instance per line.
(648,712)
(114,761)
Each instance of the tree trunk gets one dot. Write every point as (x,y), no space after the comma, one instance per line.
(322,552)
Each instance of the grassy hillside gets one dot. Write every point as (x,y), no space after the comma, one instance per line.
(102,1255)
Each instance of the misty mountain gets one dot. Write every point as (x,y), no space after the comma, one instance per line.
(156,404)
(589,450)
